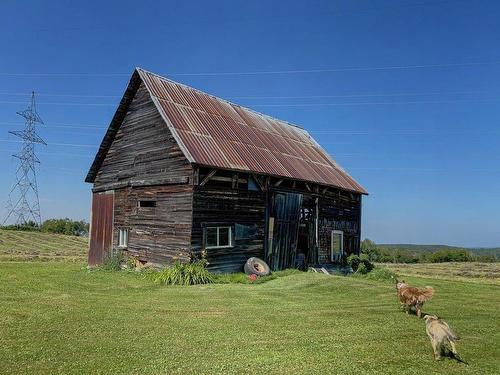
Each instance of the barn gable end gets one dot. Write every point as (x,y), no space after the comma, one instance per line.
(143,148)
(139,162)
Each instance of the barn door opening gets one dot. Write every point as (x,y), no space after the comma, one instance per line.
(283,230)
(306,243)
(101,227)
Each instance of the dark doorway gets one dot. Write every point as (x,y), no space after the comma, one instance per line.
(307,232)
(283,230)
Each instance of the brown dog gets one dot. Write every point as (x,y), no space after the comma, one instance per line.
(411,297)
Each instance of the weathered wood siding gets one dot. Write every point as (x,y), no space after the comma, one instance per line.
(243,210)
(143,148)
(145,162)
(158,234)
(342,212)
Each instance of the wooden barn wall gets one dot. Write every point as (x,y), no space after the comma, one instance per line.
(143,148)
(243,210)
(144,152)
(339,213)
(158,234)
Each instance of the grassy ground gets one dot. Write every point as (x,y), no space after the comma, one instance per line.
(57,317)
(29,246)
(488,273)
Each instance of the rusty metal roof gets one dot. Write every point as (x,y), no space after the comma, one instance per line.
(214,132)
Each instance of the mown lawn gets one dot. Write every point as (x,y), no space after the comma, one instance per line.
(59,318)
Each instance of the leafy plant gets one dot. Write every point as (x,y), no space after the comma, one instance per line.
(113,260)
(360,263)
(362,269)
(353,261)
(192,273)
(364,259)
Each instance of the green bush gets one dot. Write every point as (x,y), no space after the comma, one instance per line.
(362,269)
(360,263)
(353,260)
(113,260)
(364,259)
(184,274)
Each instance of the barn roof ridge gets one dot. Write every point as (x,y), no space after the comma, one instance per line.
(224,100)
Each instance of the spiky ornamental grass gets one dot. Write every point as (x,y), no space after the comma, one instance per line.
(193,273)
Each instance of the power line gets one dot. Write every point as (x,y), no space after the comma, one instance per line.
(397,94)
(269,72)
(54,144)
(299,104)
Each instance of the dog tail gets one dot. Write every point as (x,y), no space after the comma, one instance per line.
(425,294)
(452,336)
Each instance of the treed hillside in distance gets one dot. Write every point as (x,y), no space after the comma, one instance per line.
(410,253)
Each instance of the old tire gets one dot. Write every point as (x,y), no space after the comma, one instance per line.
(256,266)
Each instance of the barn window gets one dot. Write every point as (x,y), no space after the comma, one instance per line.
(337,245)
(217,237)
(123,237)
(148,203)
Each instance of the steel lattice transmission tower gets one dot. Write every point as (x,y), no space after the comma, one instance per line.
(23,204)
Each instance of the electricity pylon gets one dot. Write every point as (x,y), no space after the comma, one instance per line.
(23,204)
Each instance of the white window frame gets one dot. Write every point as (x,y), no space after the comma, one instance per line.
(230,234)
(334,232)
(122,237)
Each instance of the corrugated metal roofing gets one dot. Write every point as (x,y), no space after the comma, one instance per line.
(214,132)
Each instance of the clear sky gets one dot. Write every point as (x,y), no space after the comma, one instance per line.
(403,93)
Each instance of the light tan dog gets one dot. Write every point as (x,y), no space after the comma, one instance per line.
(440,334)
(411,297)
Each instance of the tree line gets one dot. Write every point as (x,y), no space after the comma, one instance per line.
(60,226)
(381,254)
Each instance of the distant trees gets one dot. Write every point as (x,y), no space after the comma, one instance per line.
(60,226)
(381,254)
(65,226)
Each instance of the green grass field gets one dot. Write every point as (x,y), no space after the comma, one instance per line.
(59,318)
(36,246)
(484,273)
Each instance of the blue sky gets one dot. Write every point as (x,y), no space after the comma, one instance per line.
(403,94)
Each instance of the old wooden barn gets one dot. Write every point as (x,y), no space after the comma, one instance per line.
(181,174)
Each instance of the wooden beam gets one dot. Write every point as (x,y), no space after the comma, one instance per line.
(208,177)
(278,183)
(324,190)
(235,181)
(308,187)
(196,176)
(137,183)
(228,179)
(258,182)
